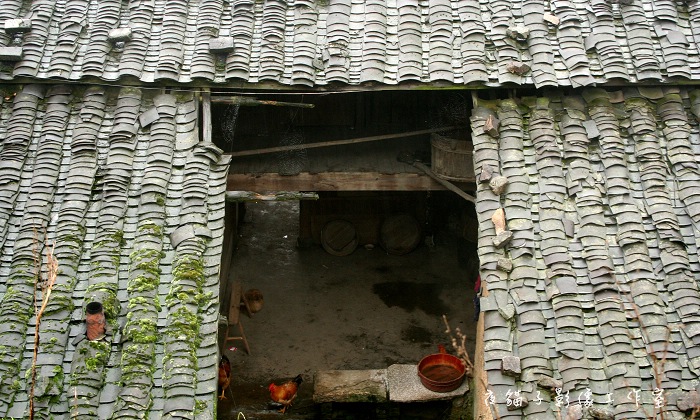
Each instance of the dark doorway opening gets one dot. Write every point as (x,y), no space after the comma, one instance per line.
(366,310)
(369,308)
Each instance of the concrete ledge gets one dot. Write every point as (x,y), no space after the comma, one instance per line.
(405,386)
(350,386)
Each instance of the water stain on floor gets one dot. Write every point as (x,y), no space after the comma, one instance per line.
(416,334)
(411,296)
(367,310)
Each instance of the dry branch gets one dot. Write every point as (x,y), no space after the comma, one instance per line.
(39,308)
(459,344)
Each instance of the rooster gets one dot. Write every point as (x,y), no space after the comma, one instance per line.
(224,375)
(284,394)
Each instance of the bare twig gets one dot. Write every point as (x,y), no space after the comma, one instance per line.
(459,346)
(658,364)
(39,308)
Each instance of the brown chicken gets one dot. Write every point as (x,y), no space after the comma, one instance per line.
(284,394)
(224,375)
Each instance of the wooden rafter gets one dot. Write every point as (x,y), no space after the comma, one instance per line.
(341,142)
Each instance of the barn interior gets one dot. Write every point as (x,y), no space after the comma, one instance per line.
(356,249)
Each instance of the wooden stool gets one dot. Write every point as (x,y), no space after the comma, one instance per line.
(234,313)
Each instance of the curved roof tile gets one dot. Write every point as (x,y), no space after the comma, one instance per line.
(114,191)
(609,276)
(317,43)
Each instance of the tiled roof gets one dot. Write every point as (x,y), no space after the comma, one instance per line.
(317,43)
(597,289)
(119,184)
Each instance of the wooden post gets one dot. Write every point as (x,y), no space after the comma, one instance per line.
(482,410)
(206,116)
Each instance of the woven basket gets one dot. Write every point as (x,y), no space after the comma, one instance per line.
(255,300)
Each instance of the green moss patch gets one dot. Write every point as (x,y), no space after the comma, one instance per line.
(137,362)
(142,331)
(151,228)
(99,355)
(144,283)
(106,294)
(189,268)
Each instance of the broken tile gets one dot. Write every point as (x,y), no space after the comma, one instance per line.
(518,32)
(550,18)
(510,365)
(149,117)
(688,401)
(499,221)
(491,126)
(502,239)
(498,184)
(505,264)
(518,67)
(486,173)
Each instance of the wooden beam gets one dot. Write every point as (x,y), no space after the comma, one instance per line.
(336,181)
(246,101)
(265,87)
(277,196)
(447,184)
(339,142)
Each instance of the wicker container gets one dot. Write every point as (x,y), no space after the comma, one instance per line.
(254,298)
(452,159)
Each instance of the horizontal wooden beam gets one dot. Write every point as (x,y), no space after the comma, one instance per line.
(336,181)
(247,101)
(276,87)
(241,196)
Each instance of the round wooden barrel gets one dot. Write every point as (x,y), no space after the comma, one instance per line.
(339,237)
(400,234)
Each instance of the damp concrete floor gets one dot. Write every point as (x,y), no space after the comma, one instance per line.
(367,310)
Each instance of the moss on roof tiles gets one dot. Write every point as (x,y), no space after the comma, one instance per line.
(106,235)
(141,333)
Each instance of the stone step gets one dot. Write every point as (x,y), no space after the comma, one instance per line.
(350,386)
(398,383)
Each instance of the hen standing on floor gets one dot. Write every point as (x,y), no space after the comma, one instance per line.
(224,375)
(284,394)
